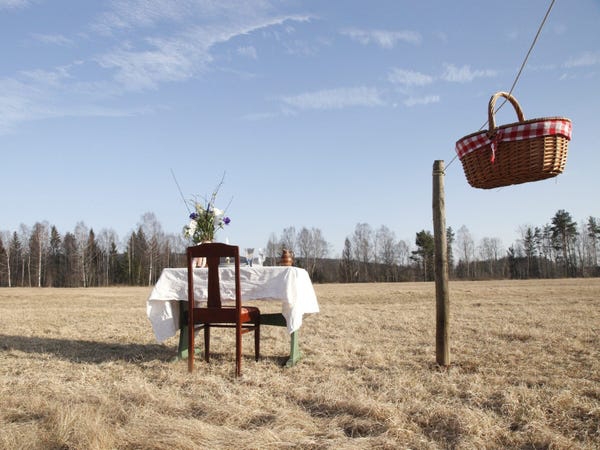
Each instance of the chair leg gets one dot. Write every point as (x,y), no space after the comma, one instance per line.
(206,342)
(257,342)
(238,350)
(190,349)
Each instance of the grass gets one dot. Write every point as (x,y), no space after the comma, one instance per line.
(80,369)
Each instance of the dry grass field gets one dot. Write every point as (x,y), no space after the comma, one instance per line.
(80,369)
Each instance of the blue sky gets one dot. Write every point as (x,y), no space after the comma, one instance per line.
(320,114)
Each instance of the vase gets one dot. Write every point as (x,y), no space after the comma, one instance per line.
(201,262)
(287,258)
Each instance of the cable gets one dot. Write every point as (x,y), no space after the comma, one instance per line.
(520,70)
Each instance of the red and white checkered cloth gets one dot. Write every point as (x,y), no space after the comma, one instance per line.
(519,132)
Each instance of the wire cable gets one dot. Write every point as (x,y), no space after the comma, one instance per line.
(519,72)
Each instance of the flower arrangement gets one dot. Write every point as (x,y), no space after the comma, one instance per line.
(205,220)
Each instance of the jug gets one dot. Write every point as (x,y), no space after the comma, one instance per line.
(287,258)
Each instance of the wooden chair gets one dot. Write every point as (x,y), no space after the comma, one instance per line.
(242,318)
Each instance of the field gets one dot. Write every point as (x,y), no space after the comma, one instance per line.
(80,369)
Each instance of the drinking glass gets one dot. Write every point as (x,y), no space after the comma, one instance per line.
(249,256)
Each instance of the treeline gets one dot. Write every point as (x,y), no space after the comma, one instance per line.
(40,256)
(561,248)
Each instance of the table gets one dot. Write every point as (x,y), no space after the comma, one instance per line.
(166,306)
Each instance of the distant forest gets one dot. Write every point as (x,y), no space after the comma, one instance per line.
(40,256)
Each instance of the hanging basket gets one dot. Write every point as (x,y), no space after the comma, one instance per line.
(528,150)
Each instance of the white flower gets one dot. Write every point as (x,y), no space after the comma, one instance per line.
(206,220)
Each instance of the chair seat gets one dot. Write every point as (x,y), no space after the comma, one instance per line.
(226,315)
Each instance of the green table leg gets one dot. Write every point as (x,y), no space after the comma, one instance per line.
(277,320)
(182,348)
(295,354)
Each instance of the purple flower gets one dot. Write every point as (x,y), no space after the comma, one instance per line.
(193,216)
(226,220)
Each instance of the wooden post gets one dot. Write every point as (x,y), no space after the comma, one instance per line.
(442,303)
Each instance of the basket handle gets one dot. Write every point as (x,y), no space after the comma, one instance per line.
(492,119)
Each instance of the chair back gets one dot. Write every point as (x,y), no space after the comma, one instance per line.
(213,252)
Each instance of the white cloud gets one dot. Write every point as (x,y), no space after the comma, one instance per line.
(178,57)
(141,13)
(248,51)
(128,14)
(53,39)
(254,117)
(335,98)
(586,59)
(167,61)
(409,78)
(464,74)
(47,77)
(383,38)
(412,101)
(39,94)
(13,4)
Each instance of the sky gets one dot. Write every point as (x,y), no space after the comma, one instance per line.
(321,114)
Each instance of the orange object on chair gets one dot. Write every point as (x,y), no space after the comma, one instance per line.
(243,318)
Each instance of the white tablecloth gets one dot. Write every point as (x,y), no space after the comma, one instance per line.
(289,285)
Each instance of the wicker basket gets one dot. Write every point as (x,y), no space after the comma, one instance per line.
(528,150)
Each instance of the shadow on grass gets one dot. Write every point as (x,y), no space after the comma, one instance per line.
(82,351)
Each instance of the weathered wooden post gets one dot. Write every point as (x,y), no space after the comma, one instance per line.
(442,303)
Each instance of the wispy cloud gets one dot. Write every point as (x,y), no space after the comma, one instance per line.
(464,74)
(382,38)
(14,4)
(46,94)
(585,59)
(178,57)
(160,41)
(409,78)
(413,101)
(254,117)
(53,39)
(141,13)
(139,70)
(136,14)
(248,51)
(336,98)
(41,77)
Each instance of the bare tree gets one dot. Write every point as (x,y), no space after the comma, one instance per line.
(303,245)
(466,248)
(153,231)
(273,250)
(288,239)
(81,234)
(39,242)
(5,236)
(312,247)
(347,263)
(107,241)
(24,235)
(362,240)
(403,253)
(386,248)
(319,249)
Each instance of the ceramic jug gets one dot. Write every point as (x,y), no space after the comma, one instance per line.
(287,258)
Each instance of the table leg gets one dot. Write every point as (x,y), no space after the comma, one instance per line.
(277,320)
(182,348)
(295,354)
